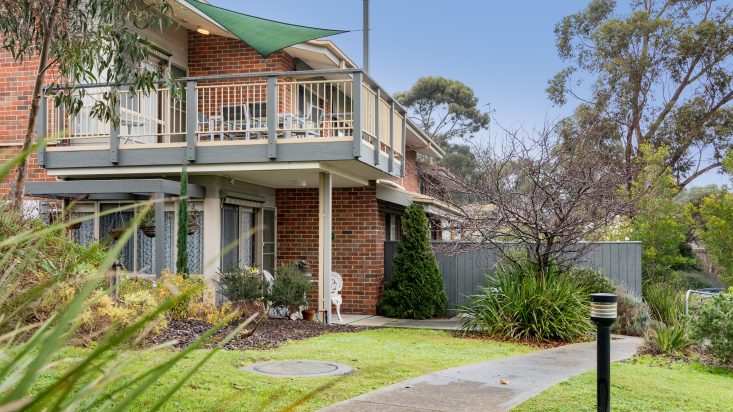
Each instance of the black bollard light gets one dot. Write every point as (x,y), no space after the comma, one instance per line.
(603,313)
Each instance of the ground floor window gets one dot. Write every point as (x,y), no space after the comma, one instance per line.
(138,254)
(247,236)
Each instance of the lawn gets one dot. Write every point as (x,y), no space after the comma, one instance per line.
(380,357)
(644,384)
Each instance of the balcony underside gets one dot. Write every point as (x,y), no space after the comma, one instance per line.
(86,161)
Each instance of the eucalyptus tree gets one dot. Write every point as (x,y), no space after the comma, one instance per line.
(73,42)
(447,109)
(661,74)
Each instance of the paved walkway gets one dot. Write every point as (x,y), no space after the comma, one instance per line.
(478,387)
(453,323)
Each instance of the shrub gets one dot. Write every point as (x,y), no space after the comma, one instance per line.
(519,304)
(55,263)
(242,285)
(634,315)
(665,303)
(667,339)
(105,316)
(713,324)
(416,288)
(591,280)
(685,280)
(290,287)
(716,233)
(199,303)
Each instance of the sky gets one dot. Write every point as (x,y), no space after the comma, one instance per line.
(504,50)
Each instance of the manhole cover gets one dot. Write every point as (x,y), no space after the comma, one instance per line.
(299,368)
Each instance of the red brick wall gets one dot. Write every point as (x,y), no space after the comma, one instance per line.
(411,180)
(358,245)
(210,55)
(16,89)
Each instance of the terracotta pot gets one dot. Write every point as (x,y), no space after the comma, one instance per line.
(309,314)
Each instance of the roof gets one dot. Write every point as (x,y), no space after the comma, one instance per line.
(264,35)
(392,192)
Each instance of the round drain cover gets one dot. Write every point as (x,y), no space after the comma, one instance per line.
(299,368)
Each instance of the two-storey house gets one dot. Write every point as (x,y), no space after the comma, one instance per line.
(294,153)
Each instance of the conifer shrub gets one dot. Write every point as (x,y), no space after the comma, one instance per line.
(416,288)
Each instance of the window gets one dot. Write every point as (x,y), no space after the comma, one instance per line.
(269,230)
(239,236)
(138,254)
(393,227)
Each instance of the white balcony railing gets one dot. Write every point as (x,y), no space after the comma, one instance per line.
(290,107)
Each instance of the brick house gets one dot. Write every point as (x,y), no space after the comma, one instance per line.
(282,150)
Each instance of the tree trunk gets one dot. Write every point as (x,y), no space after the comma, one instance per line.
(22,169)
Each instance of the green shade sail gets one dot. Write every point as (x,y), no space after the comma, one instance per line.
(265,36)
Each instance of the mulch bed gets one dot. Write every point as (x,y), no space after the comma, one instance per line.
(270,333)
(484,336)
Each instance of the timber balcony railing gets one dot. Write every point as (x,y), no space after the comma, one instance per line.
(249,109)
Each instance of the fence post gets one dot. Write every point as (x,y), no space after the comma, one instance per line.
(356,114)
(191,120)
(272,117)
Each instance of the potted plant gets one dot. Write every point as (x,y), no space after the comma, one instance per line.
(309,314)
(147,225)
(194,217)
(290,288)
(76,225)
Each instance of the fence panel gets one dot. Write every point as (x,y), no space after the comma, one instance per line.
(465,273)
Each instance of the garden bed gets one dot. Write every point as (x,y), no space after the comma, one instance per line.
(270,333)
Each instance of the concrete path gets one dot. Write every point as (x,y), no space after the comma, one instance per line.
(478,387)
(453,323)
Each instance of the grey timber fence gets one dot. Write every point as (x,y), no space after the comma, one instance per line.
(464,273)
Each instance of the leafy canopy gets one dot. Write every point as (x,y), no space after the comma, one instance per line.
(444,108)
(716,233)
(661,75)
(447,109)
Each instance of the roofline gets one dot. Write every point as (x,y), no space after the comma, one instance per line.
(333,48)
(427,140)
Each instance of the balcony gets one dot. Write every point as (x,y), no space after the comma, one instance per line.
(299,116)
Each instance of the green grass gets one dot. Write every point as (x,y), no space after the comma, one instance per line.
(644,384)
(380,357)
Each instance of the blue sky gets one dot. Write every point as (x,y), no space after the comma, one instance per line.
(504,50)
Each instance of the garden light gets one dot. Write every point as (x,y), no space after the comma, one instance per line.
(603,313)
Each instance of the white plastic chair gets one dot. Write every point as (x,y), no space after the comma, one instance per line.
(337,283)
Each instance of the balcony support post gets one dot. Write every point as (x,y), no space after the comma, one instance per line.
(114,131)
(378,142)
(41,125)
(356,114)
(191,120)
(390,150)
(404,144)
(272,117)
(159,241)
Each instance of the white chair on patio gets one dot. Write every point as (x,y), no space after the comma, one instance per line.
(337,283)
